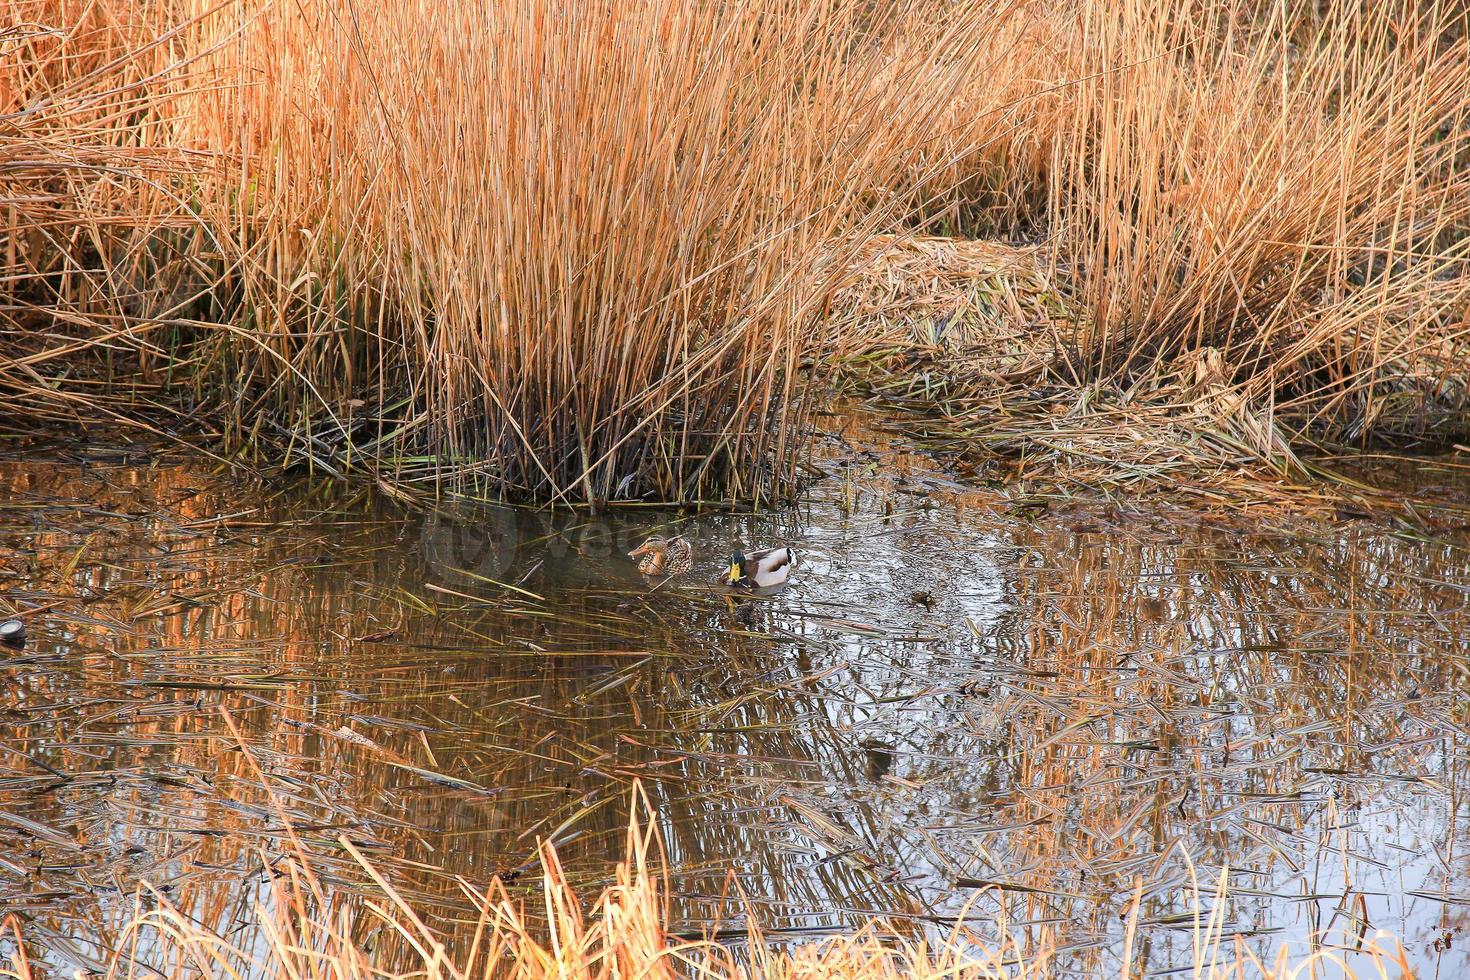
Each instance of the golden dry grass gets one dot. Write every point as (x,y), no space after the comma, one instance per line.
(1259,215)
(1286,189)
(591,252)
(568,250)
(300,930)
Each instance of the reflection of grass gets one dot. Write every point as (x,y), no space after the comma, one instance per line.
(1198,622)
(623,933)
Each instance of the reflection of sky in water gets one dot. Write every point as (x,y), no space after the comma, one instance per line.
(1066,702)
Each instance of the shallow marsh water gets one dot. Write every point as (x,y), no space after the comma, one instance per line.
(1074,703)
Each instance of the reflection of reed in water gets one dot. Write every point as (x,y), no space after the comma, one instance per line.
(1134,697)
(468,732)
(1232,721)
(1063,713)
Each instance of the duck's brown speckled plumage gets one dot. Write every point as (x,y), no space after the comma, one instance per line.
(660,556)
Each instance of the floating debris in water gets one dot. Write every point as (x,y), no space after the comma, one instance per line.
(13,633)
(879,757)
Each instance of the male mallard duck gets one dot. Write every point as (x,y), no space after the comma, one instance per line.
(759,569)
(659,556)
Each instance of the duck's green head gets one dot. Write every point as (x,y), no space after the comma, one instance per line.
(737,567)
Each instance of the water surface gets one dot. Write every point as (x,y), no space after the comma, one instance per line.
(1044,711)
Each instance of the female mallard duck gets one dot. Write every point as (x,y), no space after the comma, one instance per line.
(660,556)
(759,569)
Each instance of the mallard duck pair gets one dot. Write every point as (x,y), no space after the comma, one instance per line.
(660,557)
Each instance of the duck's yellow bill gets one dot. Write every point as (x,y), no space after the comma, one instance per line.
(736,574)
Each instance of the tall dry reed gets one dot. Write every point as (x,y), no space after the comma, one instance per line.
(1283,183)
(1269,196)
(585,251)
(572,250)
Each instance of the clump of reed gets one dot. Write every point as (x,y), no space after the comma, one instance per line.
(564,250)
(1257,214)
(589,252)
(299,928)
(1283,185)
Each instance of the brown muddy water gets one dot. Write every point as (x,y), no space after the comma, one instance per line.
(1071,703)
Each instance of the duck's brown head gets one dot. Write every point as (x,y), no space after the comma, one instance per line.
(655,545)
(651,554)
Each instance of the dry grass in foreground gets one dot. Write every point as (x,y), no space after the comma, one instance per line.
(299,932)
